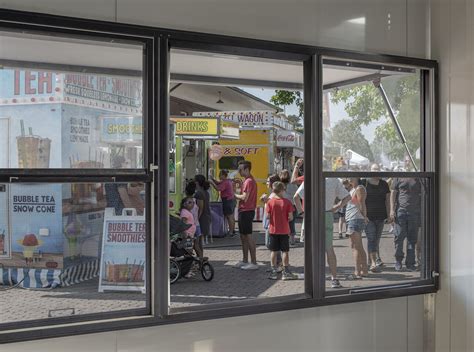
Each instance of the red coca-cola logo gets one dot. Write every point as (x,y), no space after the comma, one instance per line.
(286,138)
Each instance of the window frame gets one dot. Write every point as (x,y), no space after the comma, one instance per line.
(70,176)
(429,167)
(159,41)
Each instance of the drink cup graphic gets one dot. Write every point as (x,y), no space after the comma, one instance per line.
(33,151)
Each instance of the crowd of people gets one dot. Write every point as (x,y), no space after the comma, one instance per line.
(366,206)
(360,205)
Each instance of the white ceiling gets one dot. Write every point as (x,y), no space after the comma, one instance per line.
(53,50)
(255,69)
(108,55)
(229,66)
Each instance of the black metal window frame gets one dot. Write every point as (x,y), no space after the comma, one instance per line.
(158,42)
(428,171)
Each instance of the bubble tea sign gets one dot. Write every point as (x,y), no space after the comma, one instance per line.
(123,258)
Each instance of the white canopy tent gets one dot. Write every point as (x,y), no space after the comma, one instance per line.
(357,159)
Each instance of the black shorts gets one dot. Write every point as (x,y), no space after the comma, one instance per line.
(279,243)
(246,222)
(228,206)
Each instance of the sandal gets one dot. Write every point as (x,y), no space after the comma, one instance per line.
(375,269)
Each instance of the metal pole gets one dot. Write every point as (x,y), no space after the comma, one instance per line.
(377,83)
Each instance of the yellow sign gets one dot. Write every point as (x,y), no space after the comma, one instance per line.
(189,126)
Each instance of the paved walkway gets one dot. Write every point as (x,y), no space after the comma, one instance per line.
(229,284)
(232,284)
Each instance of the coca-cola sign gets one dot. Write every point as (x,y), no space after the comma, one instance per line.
(286,139)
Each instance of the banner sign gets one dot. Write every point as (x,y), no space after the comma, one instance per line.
(243,118)
(189,126)
(114,90)
(119,129)
(113,93)
(123,258)
(286,139)
(36,225)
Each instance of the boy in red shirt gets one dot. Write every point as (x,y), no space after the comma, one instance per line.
(280,212)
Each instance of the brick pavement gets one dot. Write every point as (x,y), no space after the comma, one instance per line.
(229,284)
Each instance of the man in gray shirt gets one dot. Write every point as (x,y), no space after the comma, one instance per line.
(405,211)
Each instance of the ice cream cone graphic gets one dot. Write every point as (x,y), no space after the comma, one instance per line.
(30,244)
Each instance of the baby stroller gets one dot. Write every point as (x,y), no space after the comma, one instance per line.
(181,253)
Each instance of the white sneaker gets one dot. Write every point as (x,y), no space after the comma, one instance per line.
(249,266)
(240,264)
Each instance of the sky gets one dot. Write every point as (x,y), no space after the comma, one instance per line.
(336,111)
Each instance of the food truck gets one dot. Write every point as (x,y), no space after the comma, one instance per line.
(61,120)
(191,139)
(257,143)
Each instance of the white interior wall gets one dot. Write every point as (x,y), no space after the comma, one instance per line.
(452,44)
(384,26)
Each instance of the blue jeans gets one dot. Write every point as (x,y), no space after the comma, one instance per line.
(373,230)
(406,226)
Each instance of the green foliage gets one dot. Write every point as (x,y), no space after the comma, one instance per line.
(364,105)
(283,98)
(348,134)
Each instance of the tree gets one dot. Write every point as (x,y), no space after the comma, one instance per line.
(364,104)
(283,98)
(347,134)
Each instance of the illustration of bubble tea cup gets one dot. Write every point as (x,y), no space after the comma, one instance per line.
(44,151)
(33,151)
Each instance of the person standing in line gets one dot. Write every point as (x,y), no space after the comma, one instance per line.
(342,212)
(203,202)
(265,198)
(279,211)
(247,204)
(299,205)
(224,186)
(405,211)
(297,176)
(334,189)
(356,219)
(290,190)
(378,209)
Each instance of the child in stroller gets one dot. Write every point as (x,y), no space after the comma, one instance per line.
(182,258)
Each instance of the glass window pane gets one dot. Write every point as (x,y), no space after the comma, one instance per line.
(378,237)
(368,115)
(81,251)
(63,104)
(226,110)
